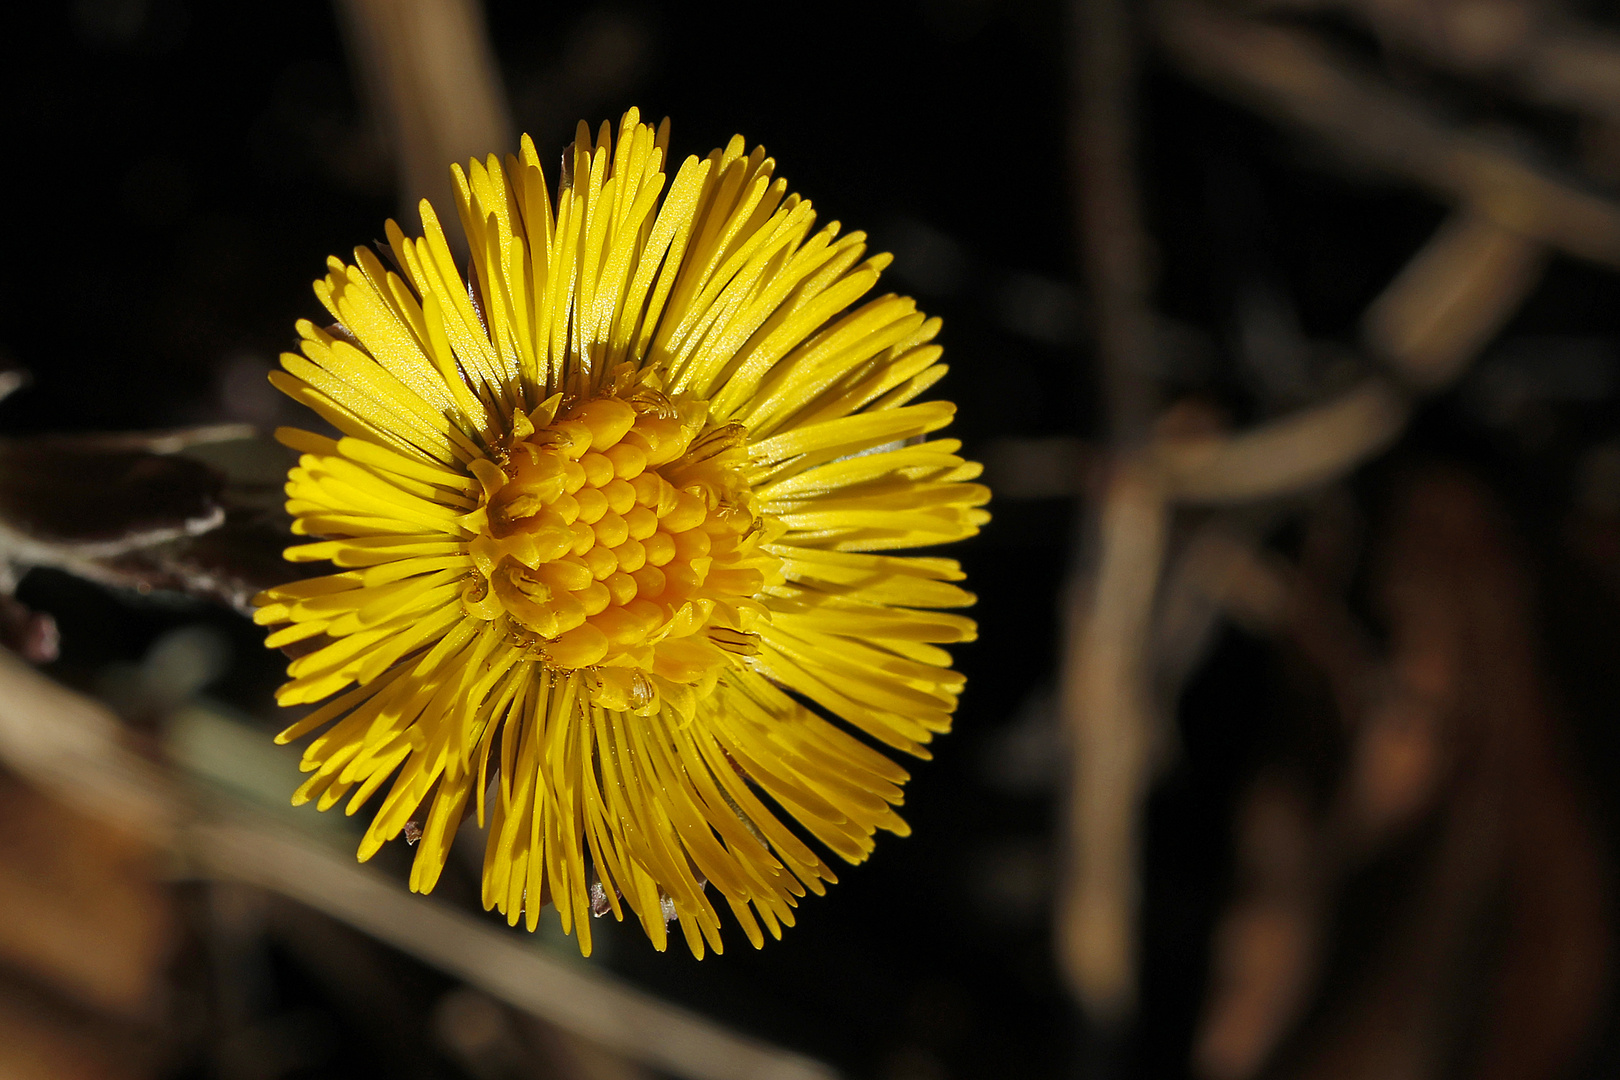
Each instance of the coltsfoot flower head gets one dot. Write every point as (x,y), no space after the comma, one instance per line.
(606,515)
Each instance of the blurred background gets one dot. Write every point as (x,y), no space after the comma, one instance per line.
(1287,331)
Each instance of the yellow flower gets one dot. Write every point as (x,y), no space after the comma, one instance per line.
(604,515)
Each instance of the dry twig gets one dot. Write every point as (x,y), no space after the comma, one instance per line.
(73,748)
(1548,55)
(1287,76)
(431,75)
(1426,326)
(1106,694)
(1111,718)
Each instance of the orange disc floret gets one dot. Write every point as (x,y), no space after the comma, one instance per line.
(615,539)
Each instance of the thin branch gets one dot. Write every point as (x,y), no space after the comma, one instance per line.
(1113,242)
(1427,325)
(1290,455)
(1296,81)
(162,441)
(1106,678)
(430,73)
(1451,299)
(1111,718)
(72,747)
(1548,55)
(582,1001)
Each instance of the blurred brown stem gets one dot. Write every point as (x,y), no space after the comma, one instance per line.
(1113,242)
(73,748)
(431,75)
(1289,455)
(1428,324)
(1296,81)
(1451,299)
(1548,54)
(1106,692)
(1111,722)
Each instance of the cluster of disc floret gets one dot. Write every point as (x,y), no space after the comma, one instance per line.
(618,536)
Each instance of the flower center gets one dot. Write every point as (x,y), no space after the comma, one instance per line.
(620,537)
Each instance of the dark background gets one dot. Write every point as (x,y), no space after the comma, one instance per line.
(178,173)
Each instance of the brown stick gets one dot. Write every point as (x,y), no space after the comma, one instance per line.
(71,747)
(1299,83)
(1547,55)
(1106,692)
(1289,455)
(1113,242)
(1431,320)
(431,75)
(1110,717)
(1451,299)
(1427,326)
(582,1001)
